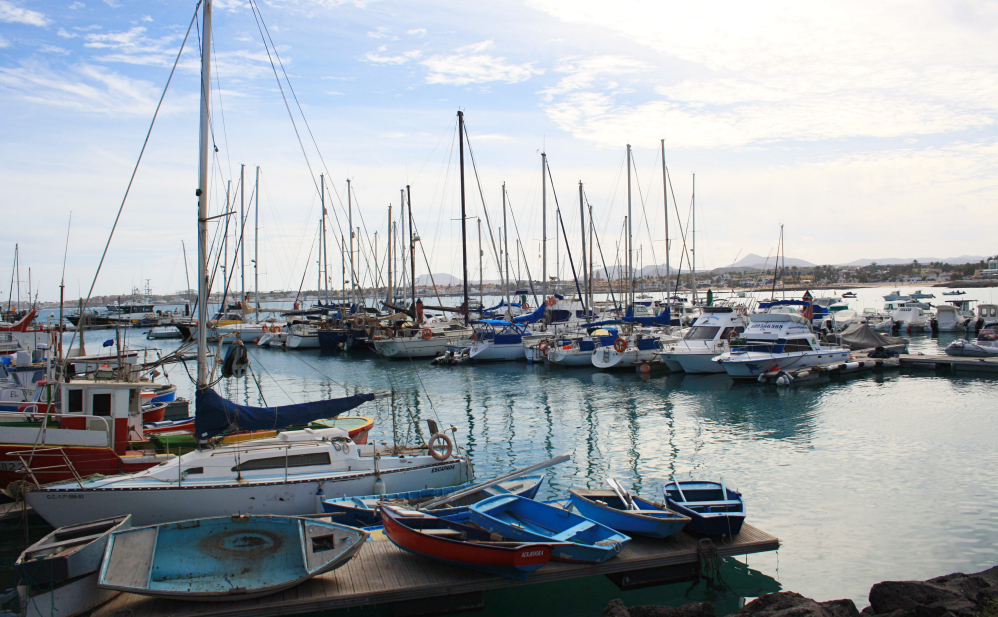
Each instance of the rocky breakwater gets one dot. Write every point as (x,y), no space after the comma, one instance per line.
(953,595)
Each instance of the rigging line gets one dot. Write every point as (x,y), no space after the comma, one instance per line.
(135,170)
(644,211)
(221,110)
(274,379)
(485,207)
(298,104)
(561,220)
(302,360)
(516,227)
(307,261)
(609,281)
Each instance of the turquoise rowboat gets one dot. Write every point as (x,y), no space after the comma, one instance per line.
(225,558)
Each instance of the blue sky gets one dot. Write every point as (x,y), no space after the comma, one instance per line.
(868,129)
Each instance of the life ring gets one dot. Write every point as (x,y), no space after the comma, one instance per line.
(389,333)
(620,345)
(551,301)
(732,336)
(525,306)
(437,454)
(474,337)
(427,334)
(544,345)
(359,322)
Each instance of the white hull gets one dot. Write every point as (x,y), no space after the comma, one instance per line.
(302,341)
(485,351)
(699,363)
(563,357)
(752,364)
(608,357)
(403,348)
(67,600)
(151,505)
(247,332)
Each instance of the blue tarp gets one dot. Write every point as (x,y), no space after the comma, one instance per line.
(215,415)
(662,319)
(534,317)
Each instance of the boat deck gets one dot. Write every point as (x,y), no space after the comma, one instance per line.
(943,362)
(383,574)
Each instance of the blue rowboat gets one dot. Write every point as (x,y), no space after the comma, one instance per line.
(650,520)
(714,510)
(363,511)
(578,539)
(225,558)
(459,544)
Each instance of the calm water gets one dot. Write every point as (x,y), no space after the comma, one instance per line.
(887,476)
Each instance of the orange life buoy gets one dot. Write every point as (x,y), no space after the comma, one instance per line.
(620,345)
(437,454)
(427,334)
(551,301)
(474,337)
(544,345)
(732,336)
(525,306)
(359,322)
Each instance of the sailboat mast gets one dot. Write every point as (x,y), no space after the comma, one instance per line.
(256,244)
(693,250)
(202,195)
(325,246)
(390,253)
(630,268)
(353,278)
(242,240)
(464,227)
(505,242)
(481,268)
(582,228)
(412,252)
(544,226)
(665,192)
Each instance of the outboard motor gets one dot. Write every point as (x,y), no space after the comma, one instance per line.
(934,325)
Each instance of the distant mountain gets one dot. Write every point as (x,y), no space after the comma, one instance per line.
(442,279)
(893,261)
(758,262)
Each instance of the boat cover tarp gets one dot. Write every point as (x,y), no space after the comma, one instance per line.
(534,317)
(861,336)
(215,415)
(662,319)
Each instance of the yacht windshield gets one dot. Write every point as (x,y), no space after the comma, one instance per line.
(702,333)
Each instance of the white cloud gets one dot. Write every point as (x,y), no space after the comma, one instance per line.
(760,73)
(17,15)
(417,32)
(67,35)
(76,5)
(470,66)
(382,33)
(146,18)
(373,57)
(52,49)
(4,42)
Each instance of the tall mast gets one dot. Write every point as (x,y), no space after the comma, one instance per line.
(256,244)
(481,268)
(693,250)
(582,229)
(544,226)
(353,278)
(630,268)
(242,240)
(591,290)
(325,246)
(389,289)
(225,243)
(202,195)
(464,227)
(412,251)
(665,192)
(343,270)
(505,241)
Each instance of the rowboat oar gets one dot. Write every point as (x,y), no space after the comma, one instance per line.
(484,485)
(622,493)
(678,488)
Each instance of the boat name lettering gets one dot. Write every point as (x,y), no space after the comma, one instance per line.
(64,497)
(531,553)
(11,465)
(443,468)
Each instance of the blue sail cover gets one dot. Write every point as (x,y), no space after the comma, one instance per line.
(662,319)
(534,317)
(215,415)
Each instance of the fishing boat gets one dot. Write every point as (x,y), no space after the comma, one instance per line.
(630,349)
(578,351)
(164,332)
(714,509)
(59,572)
(234,557)
(777,341)
(462,545)
(918,295)
(948,319)
(895,296)
(849,294)
(646,518)
(954,293)
(579,540)
(708,337)
(364,511)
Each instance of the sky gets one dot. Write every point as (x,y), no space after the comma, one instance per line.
(866,129)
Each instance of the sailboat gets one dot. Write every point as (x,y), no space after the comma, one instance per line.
(285,475)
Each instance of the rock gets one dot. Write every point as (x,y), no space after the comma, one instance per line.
(790,604)
(617,608)
(955,594)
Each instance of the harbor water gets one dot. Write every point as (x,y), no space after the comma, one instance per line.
(881,476)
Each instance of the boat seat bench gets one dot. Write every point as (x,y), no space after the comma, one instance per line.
(571,531)
(694,504)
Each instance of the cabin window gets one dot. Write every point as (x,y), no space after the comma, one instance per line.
(796,345)
(101,404)
(279,462)
(75,401)
(702,333)
(193,470)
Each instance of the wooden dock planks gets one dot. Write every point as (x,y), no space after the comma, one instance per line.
(952,363)
(381,573)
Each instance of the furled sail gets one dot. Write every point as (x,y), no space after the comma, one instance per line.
(216,415)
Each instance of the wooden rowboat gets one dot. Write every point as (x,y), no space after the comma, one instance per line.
(714,510)
(650,519)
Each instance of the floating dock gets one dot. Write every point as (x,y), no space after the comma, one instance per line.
(950,363)
(381,573)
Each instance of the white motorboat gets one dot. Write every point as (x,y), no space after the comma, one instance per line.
(778,341)
(986,346)
(247,332)
(948,319)
(707,338)
(430,341)
(639,347)
(288,475)
(496,340)
(302,336)
(987,315)
(911,317)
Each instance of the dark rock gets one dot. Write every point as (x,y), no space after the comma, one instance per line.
(955,594)
(617,608)
(790,604)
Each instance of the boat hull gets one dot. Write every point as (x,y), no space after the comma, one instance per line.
(752,364)
(403,349)
(698,363)
(302,341)
(489,352)
(650,521)
(709,515)
(151,505)
(72,598)
(86,460)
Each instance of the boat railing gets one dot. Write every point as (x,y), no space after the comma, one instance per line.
(31,413)
(61,465)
